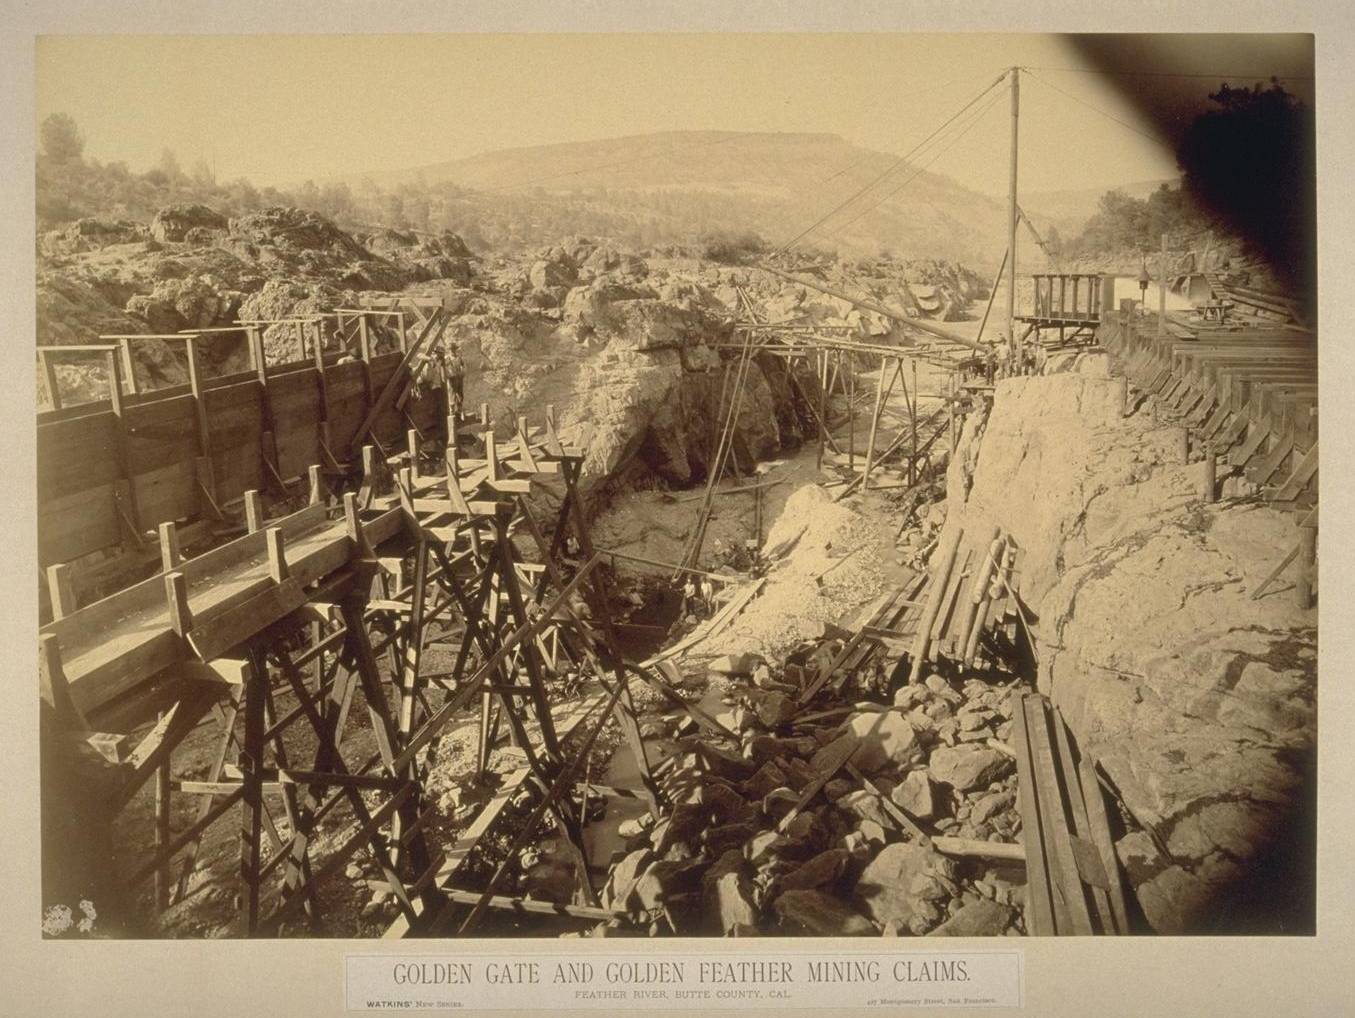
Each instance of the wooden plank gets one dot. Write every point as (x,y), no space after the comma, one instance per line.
(527,906)
(1039,896)
(212,637)
(167,493)
(297,411)
(76,455)
(1097,880)
(1100,834)
(1298,480)
(1070,903)
(77,524)
(969,848)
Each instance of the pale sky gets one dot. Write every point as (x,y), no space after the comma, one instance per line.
(278,109)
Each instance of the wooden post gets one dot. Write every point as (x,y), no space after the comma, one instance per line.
(251,816)
(1304,589)
(371,474)
(60,590)
(945,563)
(1162,291)
(253,510)
(1015,73)
(49,376)
(364,339)
(404,488)
(412,447)
(277,554)
(352,519)
(163,806)
(409,670)
(1208,476)
(206,472)
(124,493)
(128,365)
(821,364)
(851,411)
(875,419)
(176,598)
(318,493)
(912,427)
(53,688)
(170,555)
(491,455)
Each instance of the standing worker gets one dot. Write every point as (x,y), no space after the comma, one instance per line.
(455,369)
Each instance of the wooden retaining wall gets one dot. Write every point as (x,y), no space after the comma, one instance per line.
(115,467)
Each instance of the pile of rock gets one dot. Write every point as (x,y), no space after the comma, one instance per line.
(821,822)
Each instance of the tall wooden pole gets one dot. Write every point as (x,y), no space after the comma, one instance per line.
(1162,291)
(912,427)
(821,361)
(992,293)
(1011,225)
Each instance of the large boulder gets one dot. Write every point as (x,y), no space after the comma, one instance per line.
(820,915)
(968,766)
(174,223)
(908,885)
(980,918)
(824,868)
(883,738)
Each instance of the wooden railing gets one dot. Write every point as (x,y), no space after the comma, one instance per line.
(1071,297)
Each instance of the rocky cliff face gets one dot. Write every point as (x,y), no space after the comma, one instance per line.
(1198,701)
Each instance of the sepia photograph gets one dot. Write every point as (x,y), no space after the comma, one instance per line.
(513,508)
(623,526)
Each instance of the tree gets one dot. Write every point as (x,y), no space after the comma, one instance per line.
(62,141)
(169,166)
(336,201)
(1251,161)
(308,196)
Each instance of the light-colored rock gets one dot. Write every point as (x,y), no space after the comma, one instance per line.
(904,883)
(967,767)
(884,738)
(914,795)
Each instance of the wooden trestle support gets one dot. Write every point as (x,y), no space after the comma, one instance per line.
(288,635)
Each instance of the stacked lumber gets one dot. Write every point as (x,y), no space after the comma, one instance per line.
(966,602)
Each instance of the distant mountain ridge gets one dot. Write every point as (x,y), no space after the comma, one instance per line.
(678,185)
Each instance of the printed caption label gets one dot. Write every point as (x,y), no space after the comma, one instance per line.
(732,978)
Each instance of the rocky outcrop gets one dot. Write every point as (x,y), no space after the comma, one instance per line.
(423,256)
(1198,701)
(178,222)
(636,380)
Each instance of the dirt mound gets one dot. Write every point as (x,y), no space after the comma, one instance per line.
(826,562)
